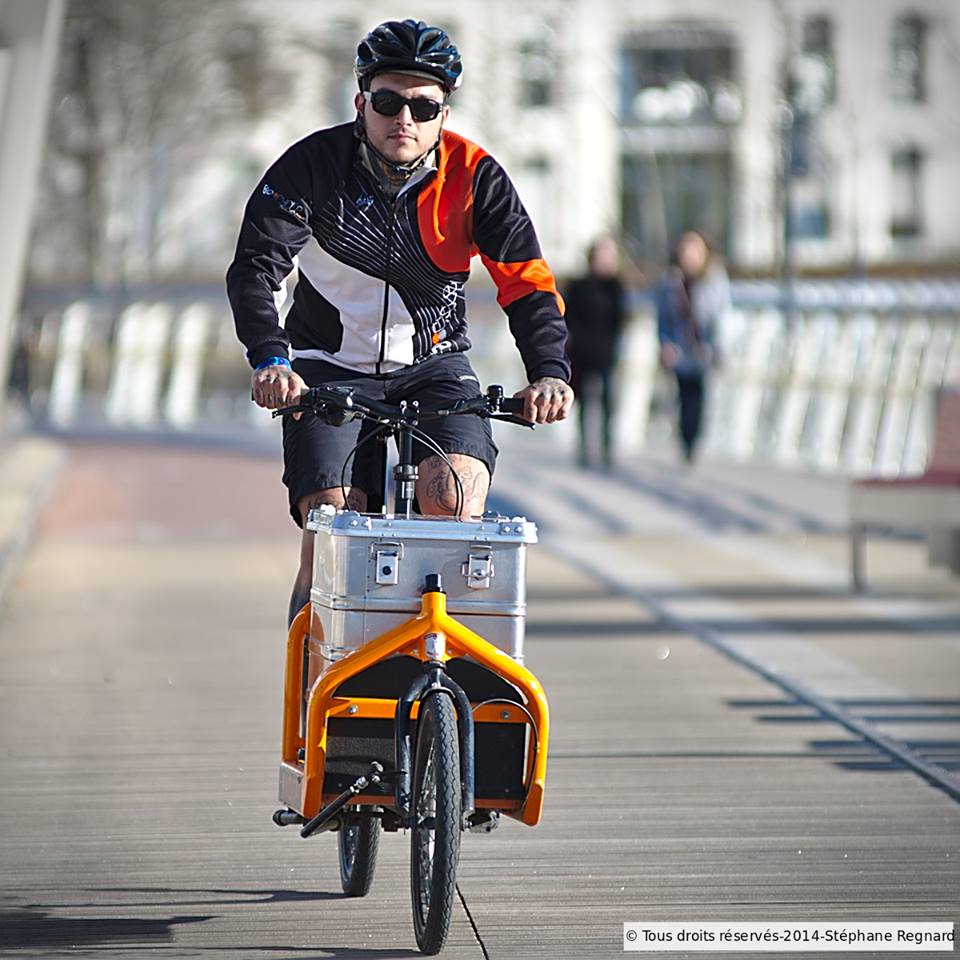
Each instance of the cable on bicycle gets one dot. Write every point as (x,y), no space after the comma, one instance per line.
(425,439)
(376,433)
(354,405)
(431,444)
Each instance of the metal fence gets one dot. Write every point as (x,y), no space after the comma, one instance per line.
(836,377)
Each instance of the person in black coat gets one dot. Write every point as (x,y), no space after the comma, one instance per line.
(595,314)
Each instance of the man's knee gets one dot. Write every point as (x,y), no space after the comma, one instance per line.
(356,500)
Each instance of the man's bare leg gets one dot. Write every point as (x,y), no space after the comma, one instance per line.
(437,489)
(356,500)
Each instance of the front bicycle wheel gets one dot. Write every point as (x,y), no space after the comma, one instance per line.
(358,844)
(435,841)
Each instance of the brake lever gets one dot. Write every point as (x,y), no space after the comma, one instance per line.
(513,418)
(280,411)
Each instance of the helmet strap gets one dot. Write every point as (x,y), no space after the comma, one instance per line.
(394,172)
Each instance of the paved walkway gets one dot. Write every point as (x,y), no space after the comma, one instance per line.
(691,629)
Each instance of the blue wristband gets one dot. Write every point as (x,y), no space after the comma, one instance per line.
(272,362)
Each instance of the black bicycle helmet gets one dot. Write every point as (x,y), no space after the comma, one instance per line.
(408,46)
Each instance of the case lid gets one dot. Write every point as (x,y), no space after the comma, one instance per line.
(491,528)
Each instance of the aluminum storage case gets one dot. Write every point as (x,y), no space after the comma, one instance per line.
(369,573)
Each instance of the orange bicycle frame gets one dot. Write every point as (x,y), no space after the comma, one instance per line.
(301,783)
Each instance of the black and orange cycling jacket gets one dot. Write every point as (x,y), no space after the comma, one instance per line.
(381,283)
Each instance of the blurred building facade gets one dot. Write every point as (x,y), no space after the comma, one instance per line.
(824,135)
(799,137)
(798,134)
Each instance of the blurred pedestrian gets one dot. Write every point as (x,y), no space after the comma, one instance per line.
(691,299)
(596,312)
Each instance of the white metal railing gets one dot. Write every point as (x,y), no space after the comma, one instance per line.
(847,392)
(833,386)
(156,365)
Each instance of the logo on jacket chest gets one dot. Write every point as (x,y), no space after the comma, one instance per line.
(364,201)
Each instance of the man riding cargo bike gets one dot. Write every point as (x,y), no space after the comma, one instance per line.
(380,218)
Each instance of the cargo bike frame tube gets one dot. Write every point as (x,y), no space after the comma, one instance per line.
(433,783)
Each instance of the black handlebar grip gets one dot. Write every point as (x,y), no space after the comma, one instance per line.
(511,405)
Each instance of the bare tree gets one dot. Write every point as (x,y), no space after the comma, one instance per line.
(146,92)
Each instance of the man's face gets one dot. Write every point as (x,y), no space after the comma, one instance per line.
(401,138)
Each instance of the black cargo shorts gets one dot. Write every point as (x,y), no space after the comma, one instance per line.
(314,453)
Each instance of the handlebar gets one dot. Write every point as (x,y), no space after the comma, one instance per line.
(338,405)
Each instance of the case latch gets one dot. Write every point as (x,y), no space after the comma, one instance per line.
(478,567)
(387,558)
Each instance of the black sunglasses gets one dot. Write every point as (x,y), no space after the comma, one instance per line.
(389,104)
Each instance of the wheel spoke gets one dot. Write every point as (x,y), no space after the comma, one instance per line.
(426,829)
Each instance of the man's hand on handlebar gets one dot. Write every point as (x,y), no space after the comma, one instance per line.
(546,400)
(277,386)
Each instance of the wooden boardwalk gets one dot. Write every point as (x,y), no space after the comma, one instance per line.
(140,656)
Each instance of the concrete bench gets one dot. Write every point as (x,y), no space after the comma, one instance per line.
(930,501)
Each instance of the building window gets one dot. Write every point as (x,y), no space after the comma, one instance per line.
(906,218)
(909,59)
(538,65)
(676,75)
(810,205)
(809,172)
(813,72)
(662,195)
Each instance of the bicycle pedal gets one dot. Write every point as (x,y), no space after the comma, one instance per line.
(483,821)
(390,776)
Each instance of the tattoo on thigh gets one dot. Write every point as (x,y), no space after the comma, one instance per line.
(441,486)
(356,499)
(476,492)
(317,500)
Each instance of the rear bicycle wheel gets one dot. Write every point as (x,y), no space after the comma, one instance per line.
(435,840)
(358,843)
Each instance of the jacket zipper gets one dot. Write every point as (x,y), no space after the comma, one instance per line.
(386,283)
